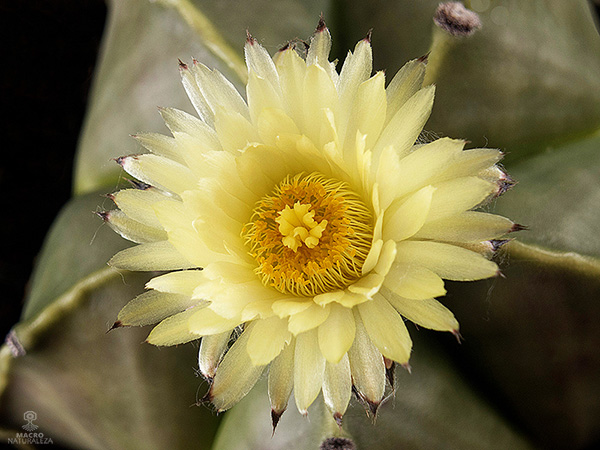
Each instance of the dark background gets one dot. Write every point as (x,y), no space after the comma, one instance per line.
(49,50)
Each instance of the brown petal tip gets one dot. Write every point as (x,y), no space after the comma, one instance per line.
(518,227)
(406,366)
(457,335)
(496,244)
(104,215)
(275,416)
(424,59)
(368,36)
(389,374)
(337,443)
(321,25)
(338,419)
(117,324)
(249,38)
(182,65)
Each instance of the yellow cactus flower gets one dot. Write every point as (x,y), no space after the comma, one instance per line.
(300,227)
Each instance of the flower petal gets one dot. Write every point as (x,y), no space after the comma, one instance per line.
(309,370)
(386,329)
(133,230)
(160,172)
(173,330)
(152,307)
(336,334)
(281,378)
(206,322)
(337,387)
(236,375)
(138,204)
(211,351)
(181,282)
(267,339)
(448,261)
(404,219)
(366,364)
(458,195)
(414,282)
(308,319)
(404,128)
(149,257)
(428,313)
(469,226)
(407,81)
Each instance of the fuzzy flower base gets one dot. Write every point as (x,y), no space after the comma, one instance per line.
(300,228)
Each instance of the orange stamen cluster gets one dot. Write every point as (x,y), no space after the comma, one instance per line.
(335,261)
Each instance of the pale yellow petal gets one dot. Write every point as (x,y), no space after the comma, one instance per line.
(448,261)
(386,329)
(471,162)
(458,195)
(218,91)
(336,334)
(173,330)
(261,95)
(211,351)
(469,226)
(291,306)
(131,229)
(292,69)
(357,68)
(160,172)
(152,307)
(337,387)
(428,313)
(407,81)
(138,204)
(399,177)
(309,370)
(367,112)
(260,62)
(273,123)
(182,122)
(414,281)
(367,285)
(181,282)
(328,297)
(194,93)
(404,219)
(350,299)
(149,257)
(366,364)
(177,220)
(160,145)
(319,95)
(281,378)
(386,258)
(236,375)
(229,272)
(372,257)
(267,339)
(318,52)
(234,130)
(308,319)
(262,168)
(406,125)
(206,322)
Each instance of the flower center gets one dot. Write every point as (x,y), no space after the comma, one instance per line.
(311,235)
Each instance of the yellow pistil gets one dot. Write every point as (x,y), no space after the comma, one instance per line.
(310,236)
(297,225)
